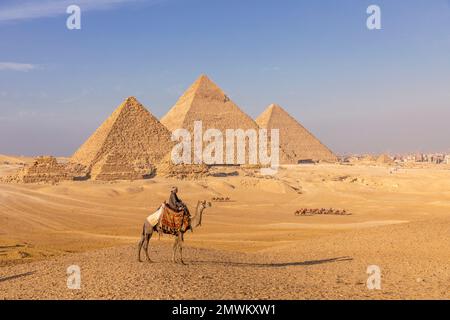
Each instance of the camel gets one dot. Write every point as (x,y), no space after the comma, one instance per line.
(148,230)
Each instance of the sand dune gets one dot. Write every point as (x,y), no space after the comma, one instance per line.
(242,242)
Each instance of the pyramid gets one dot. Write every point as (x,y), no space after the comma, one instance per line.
(369,158)
(385,159)
(297,143)
(205,101)
(126,146)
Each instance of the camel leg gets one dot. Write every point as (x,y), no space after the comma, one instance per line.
(141,243)
(148,236)
(181,248)
(140,247)
(175,246)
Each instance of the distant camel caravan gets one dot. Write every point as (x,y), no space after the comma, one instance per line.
(306,211)
(164,220)
(221,199)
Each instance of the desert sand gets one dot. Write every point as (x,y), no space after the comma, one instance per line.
(250,247)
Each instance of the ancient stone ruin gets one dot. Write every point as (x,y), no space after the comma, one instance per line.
(47,169)
(204,101)
(298,144)
(127,146)
(166,168)
(132,144)
(384,159)
(117,166)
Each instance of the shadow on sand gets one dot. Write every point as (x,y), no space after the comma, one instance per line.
(274,264)
(16,276)
(12,246)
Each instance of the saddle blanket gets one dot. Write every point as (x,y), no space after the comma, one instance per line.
(153,219)
(170,221)
(173,222)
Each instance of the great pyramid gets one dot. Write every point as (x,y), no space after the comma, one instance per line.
(297,143)
(127,145)
(205,101)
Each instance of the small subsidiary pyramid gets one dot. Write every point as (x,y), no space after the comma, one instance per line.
(126,146)
(297,143)
(385,159)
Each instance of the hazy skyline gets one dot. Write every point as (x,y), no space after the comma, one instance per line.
(357,90)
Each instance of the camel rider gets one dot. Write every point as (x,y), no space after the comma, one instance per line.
(174,202)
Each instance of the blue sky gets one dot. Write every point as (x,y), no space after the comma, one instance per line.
(357,90)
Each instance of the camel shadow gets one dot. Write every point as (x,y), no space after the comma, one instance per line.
(274,264)
(16,276)
(12,246)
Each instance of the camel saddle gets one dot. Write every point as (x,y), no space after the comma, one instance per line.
(173,222)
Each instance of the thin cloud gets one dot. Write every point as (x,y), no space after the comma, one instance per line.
(14,66)
(28,9)
(24,115)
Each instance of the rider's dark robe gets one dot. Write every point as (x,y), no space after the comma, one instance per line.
(175,203)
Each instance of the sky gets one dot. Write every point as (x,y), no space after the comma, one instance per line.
(357,90)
